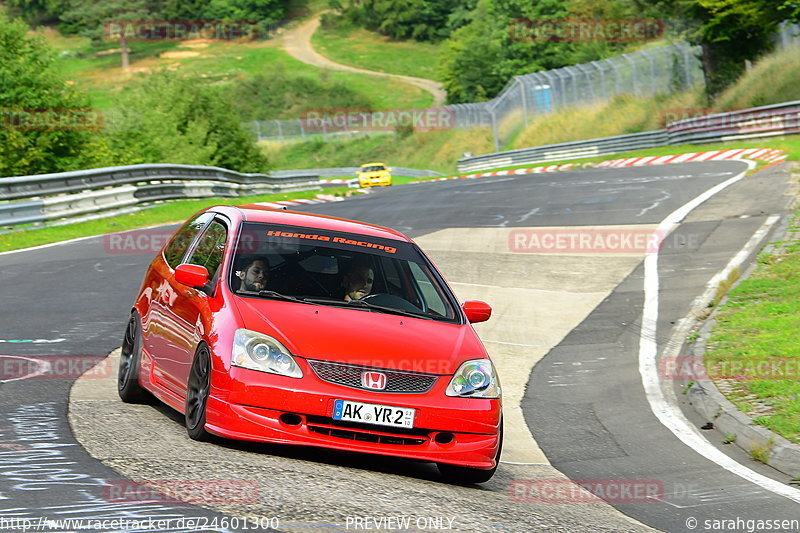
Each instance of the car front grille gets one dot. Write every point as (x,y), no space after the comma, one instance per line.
(366,437)
(350,376)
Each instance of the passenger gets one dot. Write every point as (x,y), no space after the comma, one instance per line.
(357,282)
(254,276)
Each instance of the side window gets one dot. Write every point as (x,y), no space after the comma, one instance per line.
(393,282)
(176,249)
(429,293)
(210,249)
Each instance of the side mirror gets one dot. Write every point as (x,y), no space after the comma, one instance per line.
(191,275)
(476,311)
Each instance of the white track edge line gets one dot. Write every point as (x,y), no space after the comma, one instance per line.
(668,413)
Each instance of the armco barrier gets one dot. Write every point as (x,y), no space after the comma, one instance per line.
(350,172)
(48,197)
(563,151)
(778,119)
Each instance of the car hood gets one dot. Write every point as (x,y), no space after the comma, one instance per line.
(363,337)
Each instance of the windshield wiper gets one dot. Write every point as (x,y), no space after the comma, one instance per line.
(275,295)
(279,296)
(392,310)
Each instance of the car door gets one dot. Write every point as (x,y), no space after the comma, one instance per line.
(187,309)
(157,331)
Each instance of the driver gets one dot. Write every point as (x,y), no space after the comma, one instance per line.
(357,282)
(254,276)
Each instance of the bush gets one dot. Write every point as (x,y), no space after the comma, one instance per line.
(33,89)
(174,120)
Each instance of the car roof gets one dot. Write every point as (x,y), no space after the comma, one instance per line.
(373,164)
(260,213)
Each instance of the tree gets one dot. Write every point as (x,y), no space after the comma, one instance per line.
(41,128)
(37,11)
(730,32)
(90,18)
(408,19)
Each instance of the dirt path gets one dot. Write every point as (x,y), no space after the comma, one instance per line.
(297,42)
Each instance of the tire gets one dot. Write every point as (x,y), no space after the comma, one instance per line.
(128,387)
(464,475)
(197,389)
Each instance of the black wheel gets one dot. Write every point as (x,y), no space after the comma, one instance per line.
(464,475)
(197,395)
(128,376)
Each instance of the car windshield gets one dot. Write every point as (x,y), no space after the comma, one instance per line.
(323,267)
(373,168)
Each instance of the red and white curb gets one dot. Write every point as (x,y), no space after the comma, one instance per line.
(534,170)
(280,204)
(761,154)
(339,180)
(320,199)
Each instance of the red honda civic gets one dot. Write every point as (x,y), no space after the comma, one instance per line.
(268,325)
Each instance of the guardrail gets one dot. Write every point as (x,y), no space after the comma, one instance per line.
(350,172)
(48,197)
(771,120)
(563,151)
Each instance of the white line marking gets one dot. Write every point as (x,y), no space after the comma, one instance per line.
(668,413)
(526,288)
(42,368)
(31,341)
(78,239)
(520,344)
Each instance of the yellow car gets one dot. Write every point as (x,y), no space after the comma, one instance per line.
(373,174)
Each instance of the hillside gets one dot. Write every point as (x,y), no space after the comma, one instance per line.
(772,80)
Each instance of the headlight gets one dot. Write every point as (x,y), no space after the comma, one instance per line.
(475,379)
(257,351)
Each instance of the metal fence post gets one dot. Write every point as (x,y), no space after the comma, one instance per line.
(588,81)
(524,98)
(653,89)
(687,67)
(494,130)
(634,77)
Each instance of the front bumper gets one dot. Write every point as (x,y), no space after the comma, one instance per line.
(263,407)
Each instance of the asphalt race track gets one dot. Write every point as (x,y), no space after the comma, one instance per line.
(582,413)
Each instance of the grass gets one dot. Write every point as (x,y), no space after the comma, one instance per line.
(97,69)
(753,347)
(361,48)
(761,453)
(623,114)
(160,214)
(433,150)
(773,80)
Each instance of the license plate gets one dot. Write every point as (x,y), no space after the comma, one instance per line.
(371,413)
